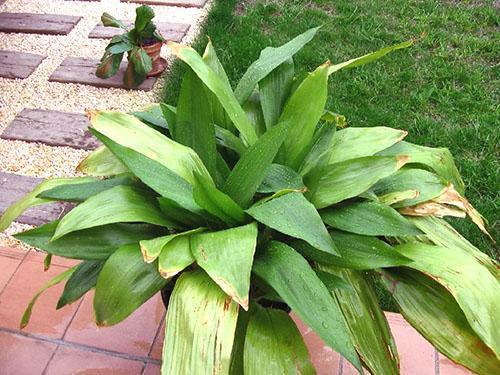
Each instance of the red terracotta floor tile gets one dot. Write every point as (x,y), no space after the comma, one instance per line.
(69,360)
(324,359)
(20,355)
(45,319)
(39,256)
(417,355)
(152,369)
(157,349)
(448,367)
(9,261)
(134,335)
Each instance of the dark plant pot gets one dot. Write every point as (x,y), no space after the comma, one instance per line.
(159,63)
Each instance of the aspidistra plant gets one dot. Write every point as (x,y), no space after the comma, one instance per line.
(251,202)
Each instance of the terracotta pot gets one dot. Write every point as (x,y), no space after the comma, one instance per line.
(159,63)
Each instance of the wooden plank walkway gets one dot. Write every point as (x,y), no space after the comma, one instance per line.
(78,70)
(13,187)
(170,31)
(53,128)
(18,64)
(172,3)
(33,23)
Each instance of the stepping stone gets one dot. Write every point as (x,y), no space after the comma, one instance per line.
(173,3)
(78,70)
(13,187)
(170,31)
(53,128)
(18,64)
(33,23)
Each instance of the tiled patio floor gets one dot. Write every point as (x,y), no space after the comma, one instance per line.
(68,342)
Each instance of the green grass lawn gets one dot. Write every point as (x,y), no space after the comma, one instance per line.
(444,90)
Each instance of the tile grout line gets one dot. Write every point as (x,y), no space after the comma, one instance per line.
(72,318)
(436,361)
(44,372)
(75,345)
(341,365)
(158,330)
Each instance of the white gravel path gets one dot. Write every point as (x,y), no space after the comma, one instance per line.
(39,160)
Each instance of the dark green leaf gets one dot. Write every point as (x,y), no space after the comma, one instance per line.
(320,149)
(80,282)
(308,297)
(109,65)
(153,115)
(369,218)
(280,177)
(294,215)
(143,15)
(253,166)
(124,284)
(357,252)
(227,139)
(110,21)
(89,244)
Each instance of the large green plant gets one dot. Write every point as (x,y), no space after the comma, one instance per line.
(247,200)
(132,42)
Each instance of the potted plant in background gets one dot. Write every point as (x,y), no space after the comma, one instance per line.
(241,201)
(142,43)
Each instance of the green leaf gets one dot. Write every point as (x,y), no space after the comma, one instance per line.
(169,114)
(269,59)
(143,15)
(109,64)
(152,248)
(31,199)
(357,252)
(475,288)
(280,177)
(227,139)
(110,21)
(308,297)
(200,326)
(427,184)
(347,179)
(219,87)
(175,256)
(274,91)
(56,280)
(369,218)
(320,149)
(154,174)
(253,110)
(119,48)
(217,203)
(439,160)
(352,143)
(101,163)
(80,282)
(79,192)
(227,257)
(253,166)
(365,59)
(433,312)
(124,284)
(273,345)
(153,115)
(128,131)
(339,121)
(89,244)
(119,204)
(294,215)
(140,64)
(194,122)
(303,111)
(178,214)
(369,329)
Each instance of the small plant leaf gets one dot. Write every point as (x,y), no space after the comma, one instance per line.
(369,218)
(308,297)
(124,284)
(143,16)
(273,345)
(80,282)
(200,326)
(118,204)
(294,215)
(110,64)
(110,21)
(227,257)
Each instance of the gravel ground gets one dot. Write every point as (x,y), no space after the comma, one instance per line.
(34,159)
